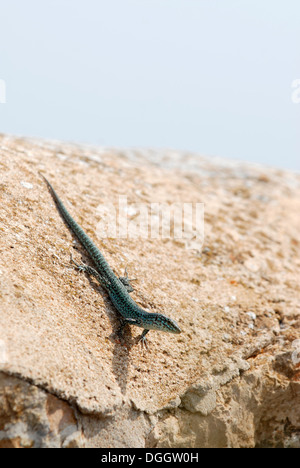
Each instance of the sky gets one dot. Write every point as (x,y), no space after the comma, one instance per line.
(215,77)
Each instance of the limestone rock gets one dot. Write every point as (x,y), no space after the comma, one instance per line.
(230,379)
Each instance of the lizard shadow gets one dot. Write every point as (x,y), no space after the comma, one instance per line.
(122,343)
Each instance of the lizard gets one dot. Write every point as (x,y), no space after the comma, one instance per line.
(118,288)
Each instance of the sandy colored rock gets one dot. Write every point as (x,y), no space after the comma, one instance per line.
(235,296)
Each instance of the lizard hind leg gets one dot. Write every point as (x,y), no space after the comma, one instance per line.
(90,271)
(126,281)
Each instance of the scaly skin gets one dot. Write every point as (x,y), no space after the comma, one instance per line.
(117,288)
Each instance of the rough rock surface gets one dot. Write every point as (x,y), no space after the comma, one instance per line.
(230,379)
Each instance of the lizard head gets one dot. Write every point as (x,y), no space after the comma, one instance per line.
(172,326)
(162,323)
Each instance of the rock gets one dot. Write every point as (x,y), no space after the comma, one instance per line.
(230,379)
(31,417)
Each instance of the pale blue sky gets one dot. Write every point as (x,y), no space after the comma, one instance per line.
(210,76)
